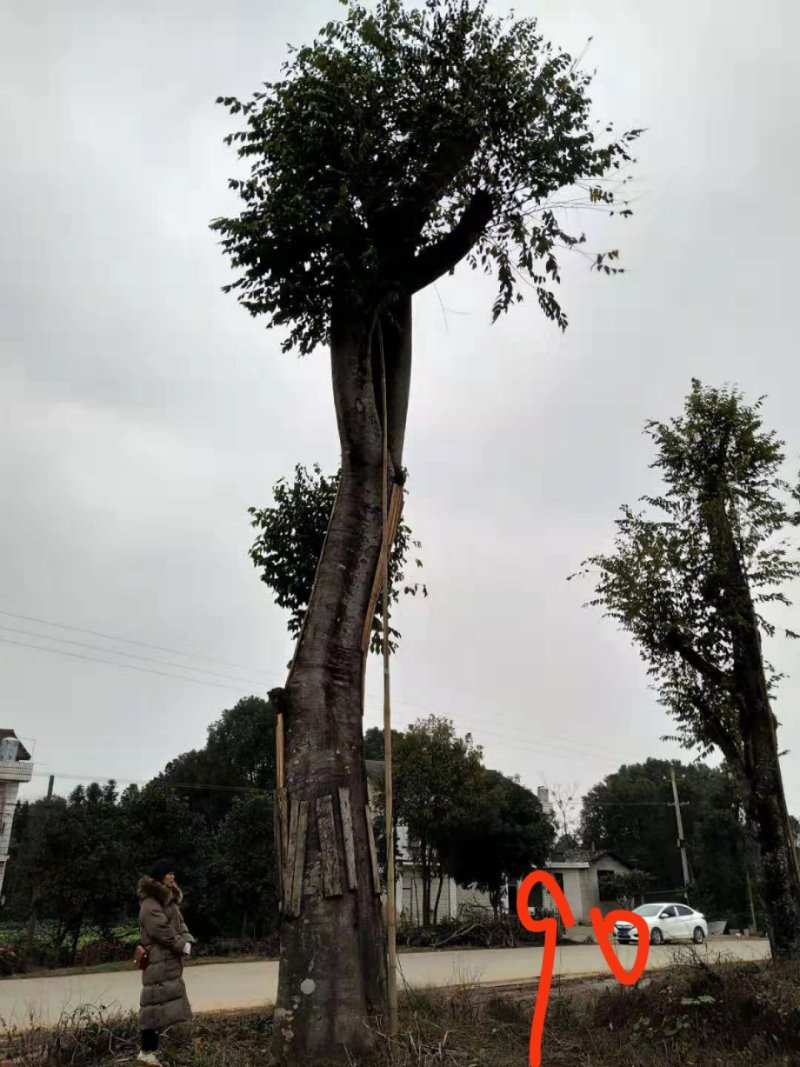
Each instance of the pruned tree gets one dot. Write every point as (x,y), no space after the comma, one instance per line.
(399,143)
(690,581)
(289,545)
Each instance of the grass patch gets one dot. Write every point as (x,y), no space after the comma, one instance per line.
(694,1015)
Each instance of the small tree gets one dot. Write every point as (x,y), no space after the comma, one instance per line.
(690,585)
(289,545)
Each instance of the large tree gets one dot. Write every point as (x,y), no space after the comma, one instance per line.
(631,813)
(238,756)
(437,775)
(501,835)
(690,580)
(399,143)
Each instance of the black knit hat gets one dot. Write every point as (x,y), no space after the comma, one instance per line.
(161,869)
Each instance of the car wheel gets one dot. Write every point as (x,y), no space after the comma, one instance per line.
(656,937)
(698,936)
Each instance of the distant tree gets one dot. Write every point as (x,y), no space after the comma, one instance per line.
(631,813)
(690,581)
(239,754)
(160,823)
(290,540)
(373,742)
(242,877)
(73,866)
(435,773)
(501,835)
(628,887)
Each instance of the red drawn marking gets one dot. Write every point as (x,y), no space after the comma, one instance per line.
(603,928)
(549,927)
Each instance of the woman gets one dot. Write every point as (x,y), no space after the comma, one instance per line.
(163,1001)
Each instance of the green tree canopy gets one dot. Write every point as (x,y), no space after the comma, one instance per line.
(289,545)
(400,141)
(239,754)
(692,580)
(435,774)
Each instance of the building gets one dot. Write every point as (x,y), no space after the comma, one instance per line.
(543,795)
(583,877)
(15,767)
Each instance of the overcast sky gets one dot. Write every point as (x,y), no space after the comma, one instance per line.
(142,411)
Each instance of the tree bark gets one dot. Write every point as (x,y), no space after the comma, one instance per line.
(767,812)
(765,799)
(332,978)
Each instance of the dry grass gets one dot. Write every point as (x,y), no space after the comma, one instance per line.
(729,1015)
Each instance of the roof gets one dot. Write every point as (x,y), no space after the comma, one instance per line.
(582,857)
(22,752)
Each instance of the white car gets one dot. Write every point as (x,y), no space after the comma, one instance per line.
(666,922)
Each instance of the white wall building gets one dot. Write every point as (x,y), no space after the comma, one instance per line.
(15,767)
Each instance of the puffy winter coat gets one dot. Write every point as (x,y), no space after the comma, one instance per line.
(163,1001)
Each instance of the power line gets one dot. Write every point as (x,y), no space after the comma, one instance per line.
(106,779)
(125,640)
(526,735)
(533,740)
(112,663)
(129,655)
(555,745)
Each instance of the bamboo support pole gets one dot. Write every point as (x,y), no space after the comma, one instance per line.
(390,522)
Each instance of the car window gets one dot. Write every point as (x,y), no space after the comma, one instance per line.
(683,910)
(668,913)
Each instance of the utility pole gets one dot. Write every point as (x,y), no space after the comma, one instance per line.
(681,841)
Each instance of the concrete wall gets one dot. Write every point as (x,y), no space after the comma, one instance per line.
(573,891)
(581,887)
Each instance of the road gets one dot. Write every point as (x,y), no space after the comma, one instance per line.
(220,986)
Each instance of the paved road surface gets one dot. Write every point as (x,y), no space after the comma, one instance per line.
(248,985)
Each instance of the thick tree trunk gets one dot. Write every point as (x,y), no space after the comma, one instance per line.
(767,812)
(333,956)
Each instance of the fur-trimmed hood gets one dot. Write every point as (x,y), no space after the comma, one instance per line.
(149,887)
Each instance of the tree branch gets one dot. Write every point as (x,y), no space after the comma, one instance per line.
(441,257)
(675,641)
(723,738)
